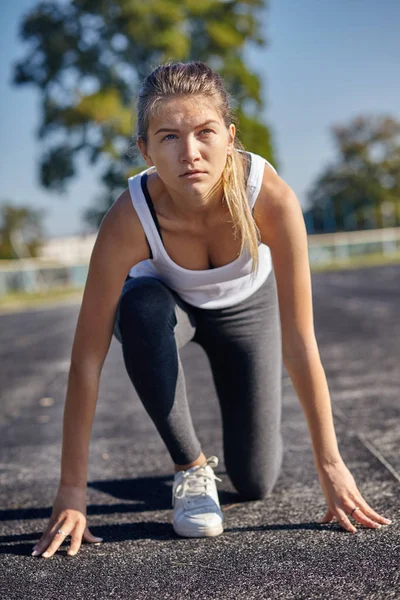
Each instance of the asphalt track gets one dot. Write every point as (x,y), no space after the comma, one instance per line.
(271,549)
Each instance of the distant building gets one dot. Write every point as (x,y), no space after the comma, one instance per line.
(68,250)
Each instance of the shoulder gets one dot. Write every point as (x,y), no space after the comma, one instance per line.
(121,215)
(276,206)
(121,229)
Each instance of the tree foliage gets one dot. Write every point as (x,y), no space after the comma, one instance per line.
(366,174)
(89,57)
(21,231)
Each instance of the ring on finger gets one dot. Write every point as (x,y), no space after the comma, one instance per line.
(355,508)
(61,531)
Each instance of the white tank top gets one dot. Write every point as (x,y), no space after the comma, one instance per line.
(210,288)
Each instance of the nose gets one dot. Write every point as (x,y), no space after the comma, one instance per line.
(189,150)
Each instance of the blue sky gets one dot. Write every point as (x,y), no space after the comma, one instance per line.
(326,62)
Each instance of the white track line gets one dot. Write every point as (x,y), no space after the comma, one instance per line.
(368,444)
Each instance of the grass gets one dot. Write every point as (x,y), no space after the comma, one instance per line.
(23,300)
(20,301)
(358,262)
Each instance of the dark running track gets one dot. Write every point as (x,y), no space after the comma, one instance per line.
(270,549)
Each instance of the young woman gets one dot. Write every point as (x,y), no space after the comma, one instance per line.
(216,250)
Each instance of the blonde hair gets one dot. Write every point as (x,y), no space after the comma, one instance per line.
(188,79)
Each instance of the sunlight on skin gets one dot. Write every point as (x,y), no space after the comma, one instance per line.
(188,134)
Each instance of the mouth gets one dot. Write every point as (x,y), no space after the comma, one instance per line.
(192,173)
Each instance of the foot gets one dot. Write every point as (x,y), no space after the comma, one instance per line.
(197,512)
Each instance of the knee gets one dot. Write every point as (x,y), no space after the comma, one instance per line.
(255,489)
(146,303)
(257,481)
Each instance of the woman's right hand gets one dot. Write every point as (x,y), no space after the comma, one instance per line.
(69,514)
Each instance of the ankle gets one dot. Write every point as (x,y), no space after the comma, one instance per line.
(198,462)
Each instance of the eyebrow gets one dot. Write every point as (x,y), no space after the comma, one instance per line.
(165,129)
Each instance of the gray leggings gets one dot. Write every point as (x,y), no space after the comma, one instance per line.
(243,345)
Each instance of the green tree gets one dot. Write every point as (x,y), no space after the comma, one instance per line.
(88,58)
(21,231)
(363,185)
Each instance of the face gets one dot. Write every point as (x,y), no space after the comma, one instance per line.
(188,143)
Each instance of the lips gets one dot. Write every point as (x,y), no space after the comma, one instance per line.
(191,173)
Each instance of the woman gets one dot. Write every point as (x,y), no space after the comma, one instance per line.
(216,250)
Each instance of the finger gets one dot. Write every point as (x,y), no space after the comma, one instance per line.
(46,538)
(89,537)
(41,543)
(359,516)
(369,512)
(76,539)
(344,521)
(58,538)
(327,518)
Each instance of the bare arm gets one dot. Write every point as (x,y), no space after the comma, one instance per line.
(120,244)
(281,223)
(280,220)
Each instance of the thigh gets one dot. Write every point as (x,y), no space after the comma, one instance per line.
(243,344)
(150,287)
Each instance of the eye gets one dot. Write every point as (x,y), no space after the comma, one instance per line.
(207,131)
(169,136)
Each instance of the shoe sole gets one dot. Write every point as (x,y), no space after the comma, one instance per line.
(207,532)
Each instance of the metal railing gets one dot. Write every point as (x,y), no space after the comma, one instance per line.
(33,275)
(338,247)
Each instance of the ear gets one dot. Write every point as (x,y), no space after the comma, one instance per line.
(231,133)
(143,151)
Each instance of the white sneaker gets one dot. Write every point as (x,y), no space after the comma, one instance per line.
(197,512)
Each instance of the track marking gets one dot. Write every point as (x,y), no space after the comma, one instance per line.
(368,444)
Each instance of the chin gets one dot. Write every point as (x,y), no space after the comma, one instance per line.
(198,189)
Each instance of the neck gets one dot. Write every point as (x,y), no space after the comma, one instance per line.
(198,207)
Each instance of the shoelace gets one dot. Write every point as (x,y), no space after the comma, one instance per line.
(195,482)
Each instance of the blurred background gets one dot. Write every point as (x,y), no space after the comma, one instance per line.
(316,91)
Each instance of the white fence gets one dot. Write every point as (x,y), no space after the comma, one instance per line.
(71,256)
(337,247)
(30,275)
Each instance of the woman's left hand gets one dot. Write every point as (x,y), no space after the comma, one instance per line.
(342,495)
